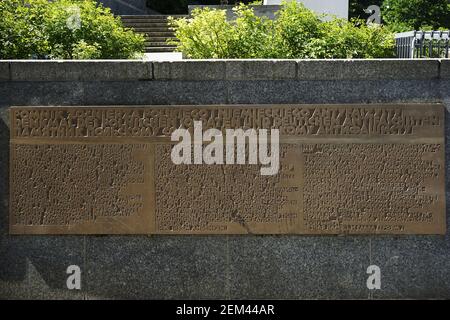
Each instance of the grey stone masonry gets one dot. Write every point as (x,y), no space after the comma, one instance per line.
(81,70)
(217,69)
(220,267)
(445,69)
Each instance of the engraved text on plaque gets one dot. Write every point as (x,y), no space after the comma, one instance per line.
(344,169)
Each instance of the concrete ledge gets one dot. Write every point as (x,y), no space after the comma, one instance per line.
(4,70)
(255,69)
(445,69)
(189,70)
(252,69)
(266,69)
(368,69)
(80,70)
(222,69)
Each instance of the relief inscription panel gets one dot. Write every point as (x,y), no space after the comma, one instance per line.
(344,169)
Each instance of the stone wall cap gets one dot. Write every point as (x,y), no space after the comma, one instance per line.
(368,69)
(445,69)
(225,69)
(80,70)
(4,70)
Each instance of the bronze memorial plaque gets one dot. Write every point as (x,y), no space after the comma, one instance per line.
(263,169)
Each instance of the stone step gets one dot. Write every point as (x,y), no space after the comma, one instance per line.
(159,49)
(147,25)
(143,22)
(147,30)
(152,40)
(158,44)
(151,17)
(165,34)
(137,20)
(158,39)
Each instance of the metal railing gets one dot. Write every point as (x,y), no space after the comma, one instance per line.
(422,44)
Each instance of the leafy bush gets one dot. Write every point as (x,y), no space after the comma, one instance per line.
(21,31)
(82,50)
(296,32)
(64,29)
(251,36)
(406,15)
(208,35)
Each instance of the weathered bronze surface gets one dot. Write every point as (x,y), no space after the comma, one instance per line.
(345,169)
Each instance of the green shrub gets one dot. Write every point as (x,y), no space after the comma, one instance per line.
(252,36)
(207,35)
(21,29)
(64,29)
(356,39)
(82,50)
(297,29)
(296,32)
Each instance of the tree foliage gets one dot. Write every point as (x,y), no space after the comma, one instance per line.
(405,15)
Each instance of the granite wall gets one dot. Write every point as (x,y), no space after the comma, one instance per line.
(199,267)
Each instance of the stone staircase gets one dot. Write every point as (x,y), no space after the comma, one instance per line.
(155,30)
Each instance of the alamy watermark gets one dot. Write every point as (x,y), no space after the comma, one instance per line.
(193,150)
(73,22)
(73,281)
(374,279)
(375,14)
